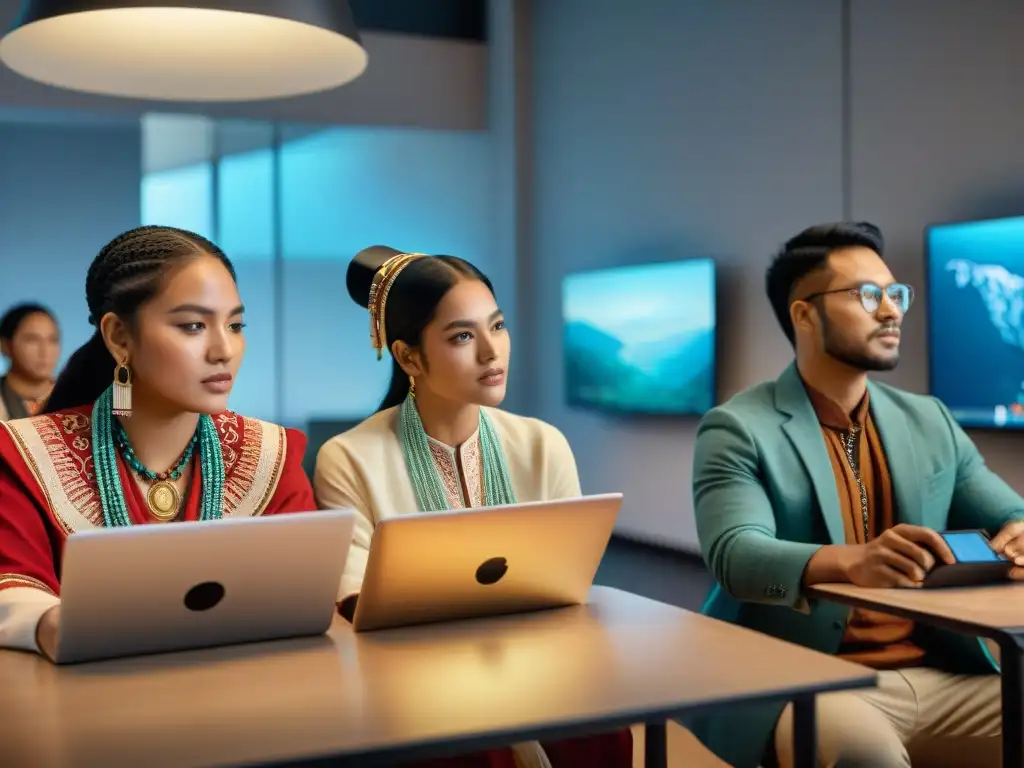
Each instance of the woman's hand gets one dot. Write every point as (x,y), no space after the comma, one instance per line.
(47,631)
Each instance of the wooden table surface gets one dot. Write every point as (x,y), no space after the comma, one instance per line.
(989,611)
(994,612)
(416,691)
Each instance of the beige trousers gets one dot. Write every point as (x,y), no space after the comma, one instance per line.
(918,717)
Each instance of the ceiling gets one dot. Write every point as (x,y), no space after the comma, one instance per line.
(454,19)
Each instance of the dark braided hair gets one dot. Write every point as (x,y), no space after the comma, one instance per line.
(125,274)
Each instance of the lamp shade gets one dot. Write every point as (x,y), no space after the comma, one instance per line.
(187,50)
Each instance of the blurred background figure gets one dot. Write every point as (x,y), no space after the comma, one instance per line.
(30,342)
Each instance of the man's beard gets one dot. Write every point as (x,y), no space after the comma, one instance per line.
(849,353)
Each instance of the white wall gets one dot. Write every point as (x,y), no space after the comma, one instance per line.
(936,136)
(667,130)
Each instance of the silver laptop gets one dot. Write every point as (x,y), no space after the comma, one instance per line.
(155,588)
(440,566)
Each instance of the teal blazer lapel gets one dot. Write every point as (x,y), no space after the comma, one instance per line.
(804,432)
(900,457)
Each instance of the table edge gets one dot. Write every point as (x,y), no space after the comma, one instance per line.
(571,728)
(944,622)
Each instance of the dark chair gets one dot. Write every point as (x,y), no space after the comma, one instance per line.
(319,432)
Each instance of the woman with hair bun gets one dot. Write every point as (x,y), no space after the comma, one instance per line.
(136,430)
(439,441)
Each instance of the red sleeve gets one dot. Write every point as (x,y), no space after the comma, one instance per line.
(294,492)
(26,550)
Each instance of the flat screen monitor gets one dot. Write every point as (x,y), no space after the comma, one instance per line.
(641,339)
(975,284)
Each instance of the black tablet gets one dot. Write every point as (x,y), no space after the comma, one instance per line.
(976,562)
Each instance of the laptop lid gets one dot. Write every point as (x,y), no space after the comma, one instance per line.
(484,561)
(155,588)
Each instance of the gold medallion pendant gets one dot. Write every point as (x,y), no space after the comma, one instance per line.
(163,500)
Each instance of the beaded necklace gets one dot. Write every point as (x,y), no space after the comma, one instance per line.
(163,497)
(426,481)
(107,433)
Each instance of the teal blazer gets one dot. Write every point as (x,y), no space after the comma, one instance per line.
(765,500)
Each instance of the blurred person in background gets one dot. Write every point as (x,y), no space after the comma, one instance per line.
(30,340)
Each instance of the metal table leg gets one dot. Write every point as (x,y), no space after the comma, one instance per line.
(655,745)
(1012,683)
(805,733)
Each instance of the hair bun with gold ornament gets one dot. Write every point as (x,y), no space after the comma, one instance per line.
(369,279)
(361,270)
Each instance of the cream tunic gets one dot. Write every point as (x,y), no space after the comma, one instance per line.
(365,469)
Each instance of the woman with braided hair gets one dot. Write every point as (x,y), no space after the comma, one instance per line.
(440,442)
(136,430)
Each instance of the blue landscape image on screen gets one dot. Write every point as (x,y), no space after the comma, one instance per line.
(976,320)
(641,339)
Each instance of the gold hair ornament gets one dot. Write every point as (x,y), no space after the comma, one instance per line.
(383,279)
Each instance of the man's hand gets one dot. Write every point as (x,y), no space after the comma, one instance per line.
(1010,542)
(900,557)
(47,631)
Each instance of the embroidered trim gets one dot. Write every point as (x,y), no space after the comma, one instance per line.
(17,580)
(446,461)
(253,471)
(58,452)
(473,467)
(65,479)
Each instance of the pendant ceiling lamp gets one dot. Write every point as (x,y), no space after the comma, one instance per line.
(187,50)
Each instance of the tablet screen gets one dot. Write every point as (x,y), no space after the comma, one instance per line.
(971,547)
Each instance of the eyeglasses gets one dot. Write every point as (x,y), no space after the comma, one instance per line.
(870,295)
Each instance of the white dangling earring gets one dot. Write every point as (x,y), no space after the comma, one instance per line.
(122,390)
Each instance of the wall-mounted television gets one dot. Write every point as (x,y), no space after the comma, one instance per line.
(975,282)
(641,339)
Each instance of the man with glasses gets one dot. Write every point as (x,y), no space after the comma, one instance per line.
(825,476)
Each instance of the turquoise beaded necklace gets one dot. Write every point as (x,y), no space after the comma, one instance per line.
(121,438)
(105,436)
(426,481)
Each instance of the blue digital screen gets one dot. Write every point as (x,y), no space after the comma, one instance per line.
(975,301)
(971,547)
(641,339)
